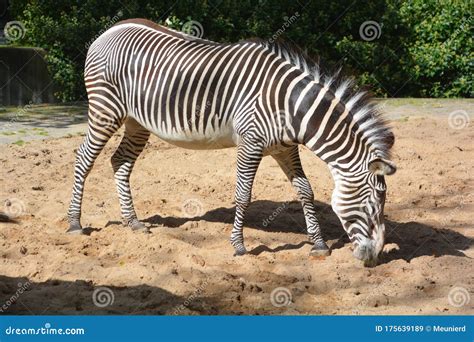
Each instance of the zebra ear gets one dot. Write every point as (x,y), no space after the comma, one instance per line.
(382,167)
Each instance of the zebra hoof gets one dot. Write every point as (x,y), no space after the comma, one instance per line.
(139,227)
(239,251)
(143,230)
(320,250)
(75,229)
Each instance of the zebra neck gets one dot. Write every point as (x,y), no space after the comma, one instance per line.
(327,127)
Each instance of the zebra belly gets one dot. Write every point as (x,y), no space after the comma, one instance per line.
(197,140)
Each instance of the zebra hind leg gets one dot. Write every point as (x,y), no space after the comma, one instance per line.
(249,155)
(132,144)
(102,126)
(290,163)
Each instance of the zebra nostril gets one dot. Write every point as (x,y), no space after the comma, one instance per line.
(365,252)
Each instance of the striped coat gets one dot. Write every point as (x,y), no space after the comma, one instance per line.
(264,98)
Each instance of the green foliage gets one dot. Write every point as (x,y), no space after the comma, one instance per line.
(440,46)
(424,47)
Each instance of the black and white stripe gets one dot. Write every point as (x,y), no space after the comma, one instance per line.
(264,98)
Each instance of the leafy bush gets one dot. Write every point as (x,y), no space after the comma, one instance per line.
(424,47)
(440,46)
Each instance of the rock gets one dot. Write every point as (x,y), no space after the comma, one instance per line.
(197,259)
(189,225)
(377,300)
(255,288)
(389,247)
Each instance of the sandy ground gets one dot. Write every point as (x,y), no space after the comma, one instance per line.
(185,266)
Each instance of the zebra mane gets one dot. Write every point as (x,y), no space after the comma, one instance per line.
(368,116)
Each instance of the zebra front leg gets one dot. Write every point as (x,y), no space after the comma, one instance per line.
(134,140)
(290,163)
(249,155)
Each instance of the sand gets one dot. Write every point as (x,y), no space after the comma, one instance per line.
(186,265)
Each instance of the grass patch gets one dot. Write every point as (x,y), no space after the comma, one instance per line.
(19,142)
(8,133)
(40,131)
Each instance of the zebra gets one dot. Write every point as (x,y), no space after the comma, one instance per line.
(263,98)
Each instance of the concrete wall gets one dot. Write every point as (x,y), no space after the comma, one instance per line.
(24,77)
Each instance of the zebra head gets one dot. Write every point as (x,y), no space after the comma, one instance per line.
(358,200)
